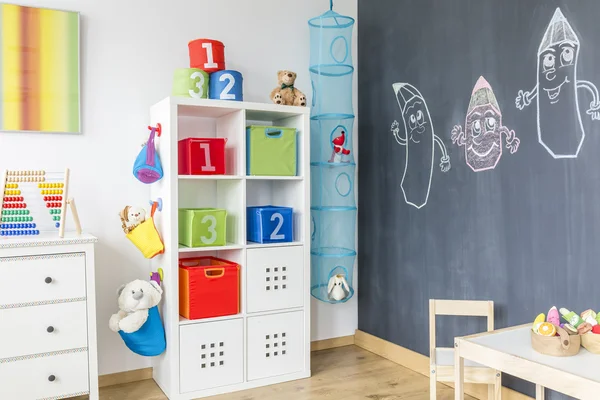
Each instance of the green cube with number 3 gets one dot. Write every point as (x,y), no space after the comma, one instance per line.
(190,82)
(202,227)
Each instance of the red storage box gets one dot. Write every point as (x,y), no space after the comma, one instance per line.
(202,156)
(207,55)
(208,287)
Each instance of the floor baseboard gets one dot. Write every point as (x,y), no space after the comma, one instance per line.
(332,343)
(420,363)
(120,378)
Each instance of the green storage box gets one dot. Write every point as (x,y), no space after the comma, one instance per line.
(271,150)
(202,227)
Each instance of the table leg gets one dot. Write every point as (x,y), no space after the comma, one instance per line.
(539,392)
(459,374)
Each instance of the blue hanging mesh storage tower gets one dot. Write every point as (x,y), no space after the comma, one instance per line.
(332,167)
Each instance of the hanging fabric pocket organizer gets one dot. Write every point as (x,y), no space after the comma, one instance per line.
(147,167)
(146,238)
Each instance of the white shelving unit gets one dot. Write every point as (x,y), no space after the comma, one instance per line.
(268,342)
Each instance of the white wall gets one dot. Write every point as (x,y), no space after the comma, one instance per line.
(129,52)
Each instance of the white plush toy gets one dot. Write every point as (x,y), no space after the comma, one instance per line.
(131,217)
(338,288)
(135,299)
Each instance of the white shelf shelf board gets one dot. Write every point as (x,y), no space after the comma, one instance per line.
(211,177)
(217,108)
(276,178)
(229,246)
(252,245)
(185,321)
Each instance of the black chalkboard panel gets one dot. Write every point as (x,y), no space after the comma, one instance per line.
(516,219)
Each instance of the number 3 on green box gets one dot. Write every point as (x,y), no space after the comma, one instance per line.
(210,222)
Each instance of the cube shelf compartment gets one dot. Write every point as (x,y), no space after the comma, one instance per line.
(273,302)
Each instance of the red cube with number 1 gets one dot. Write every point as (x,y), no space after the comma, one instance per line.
(207,55)
(202,156)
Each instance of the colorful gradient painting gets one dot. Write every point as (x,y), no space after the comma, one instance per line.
(39,70)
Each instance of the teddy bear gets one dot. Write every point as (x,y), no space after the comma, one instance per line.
(135,299)
(285,93)
(131,217)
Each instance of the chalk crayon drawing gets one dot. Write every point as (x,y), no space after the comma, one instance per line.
(559,123)
(482,137)
(419,145)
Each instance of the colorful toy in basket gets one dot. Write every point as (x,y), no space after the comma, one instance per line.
(147,167)
(138,320)
(271,150)
(550,338)
(269,224)
(208,287)
(141,230)
(201,156)
(285,93)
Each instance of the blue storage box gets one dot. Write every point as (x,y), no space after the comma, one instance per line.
(270,224)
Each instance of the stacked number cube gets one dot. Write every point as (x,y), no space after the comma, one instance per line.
(207,77)
(333,206)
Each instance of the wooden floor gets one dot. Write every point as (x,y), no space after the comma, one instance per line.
(345,373)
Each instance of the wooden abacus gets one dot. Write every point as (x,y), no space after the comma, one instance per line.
(35,201)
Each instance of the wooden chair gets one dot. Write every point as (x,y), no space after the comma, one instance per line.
(441,359)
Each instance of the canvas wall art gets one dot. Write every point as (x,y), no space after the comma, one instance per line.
(39,70)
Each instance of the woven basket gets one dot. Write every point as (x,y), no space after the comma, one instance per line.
(591,342)
(564,345)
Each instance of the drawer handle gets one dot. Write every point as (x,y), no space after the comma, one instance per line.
(50,329)
(51,378)
(48,280)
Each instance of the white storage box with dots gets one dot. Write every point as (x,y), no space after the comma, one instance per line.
(275,344)
(275,278)
(211,355)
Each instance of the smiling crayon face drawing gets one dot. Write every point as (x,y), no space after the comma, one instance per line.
(419,145)
(483,133)
(560,126)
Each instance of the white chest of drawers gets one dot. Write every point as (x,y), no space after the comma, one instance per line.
(47,318)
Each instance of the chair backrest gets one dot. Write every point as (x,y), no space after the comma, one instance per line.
(469,308)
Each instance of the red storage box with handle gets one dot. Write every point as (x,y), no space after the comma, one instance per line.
(208,287)
(202,156)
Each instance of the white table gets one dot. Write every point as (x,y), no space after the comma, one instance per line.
(509,350)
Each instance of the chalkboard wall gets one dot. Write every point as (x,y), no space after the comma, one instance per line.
(522,227)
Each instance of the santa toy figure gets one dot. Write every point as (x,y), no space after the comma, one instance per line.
(338,148)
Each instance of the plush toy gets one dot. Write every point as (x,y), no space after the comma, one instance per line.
(135,299)
(338,288)
(584,328)
(571,317)
(285,93)
(553,317)
(339,151)
(131,217)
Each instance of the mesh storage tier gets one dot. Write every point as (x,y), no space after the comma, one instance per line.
(333,205)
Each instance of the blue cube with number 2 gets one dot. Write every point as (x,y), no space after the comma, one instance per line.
(226,85)
(270,224)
